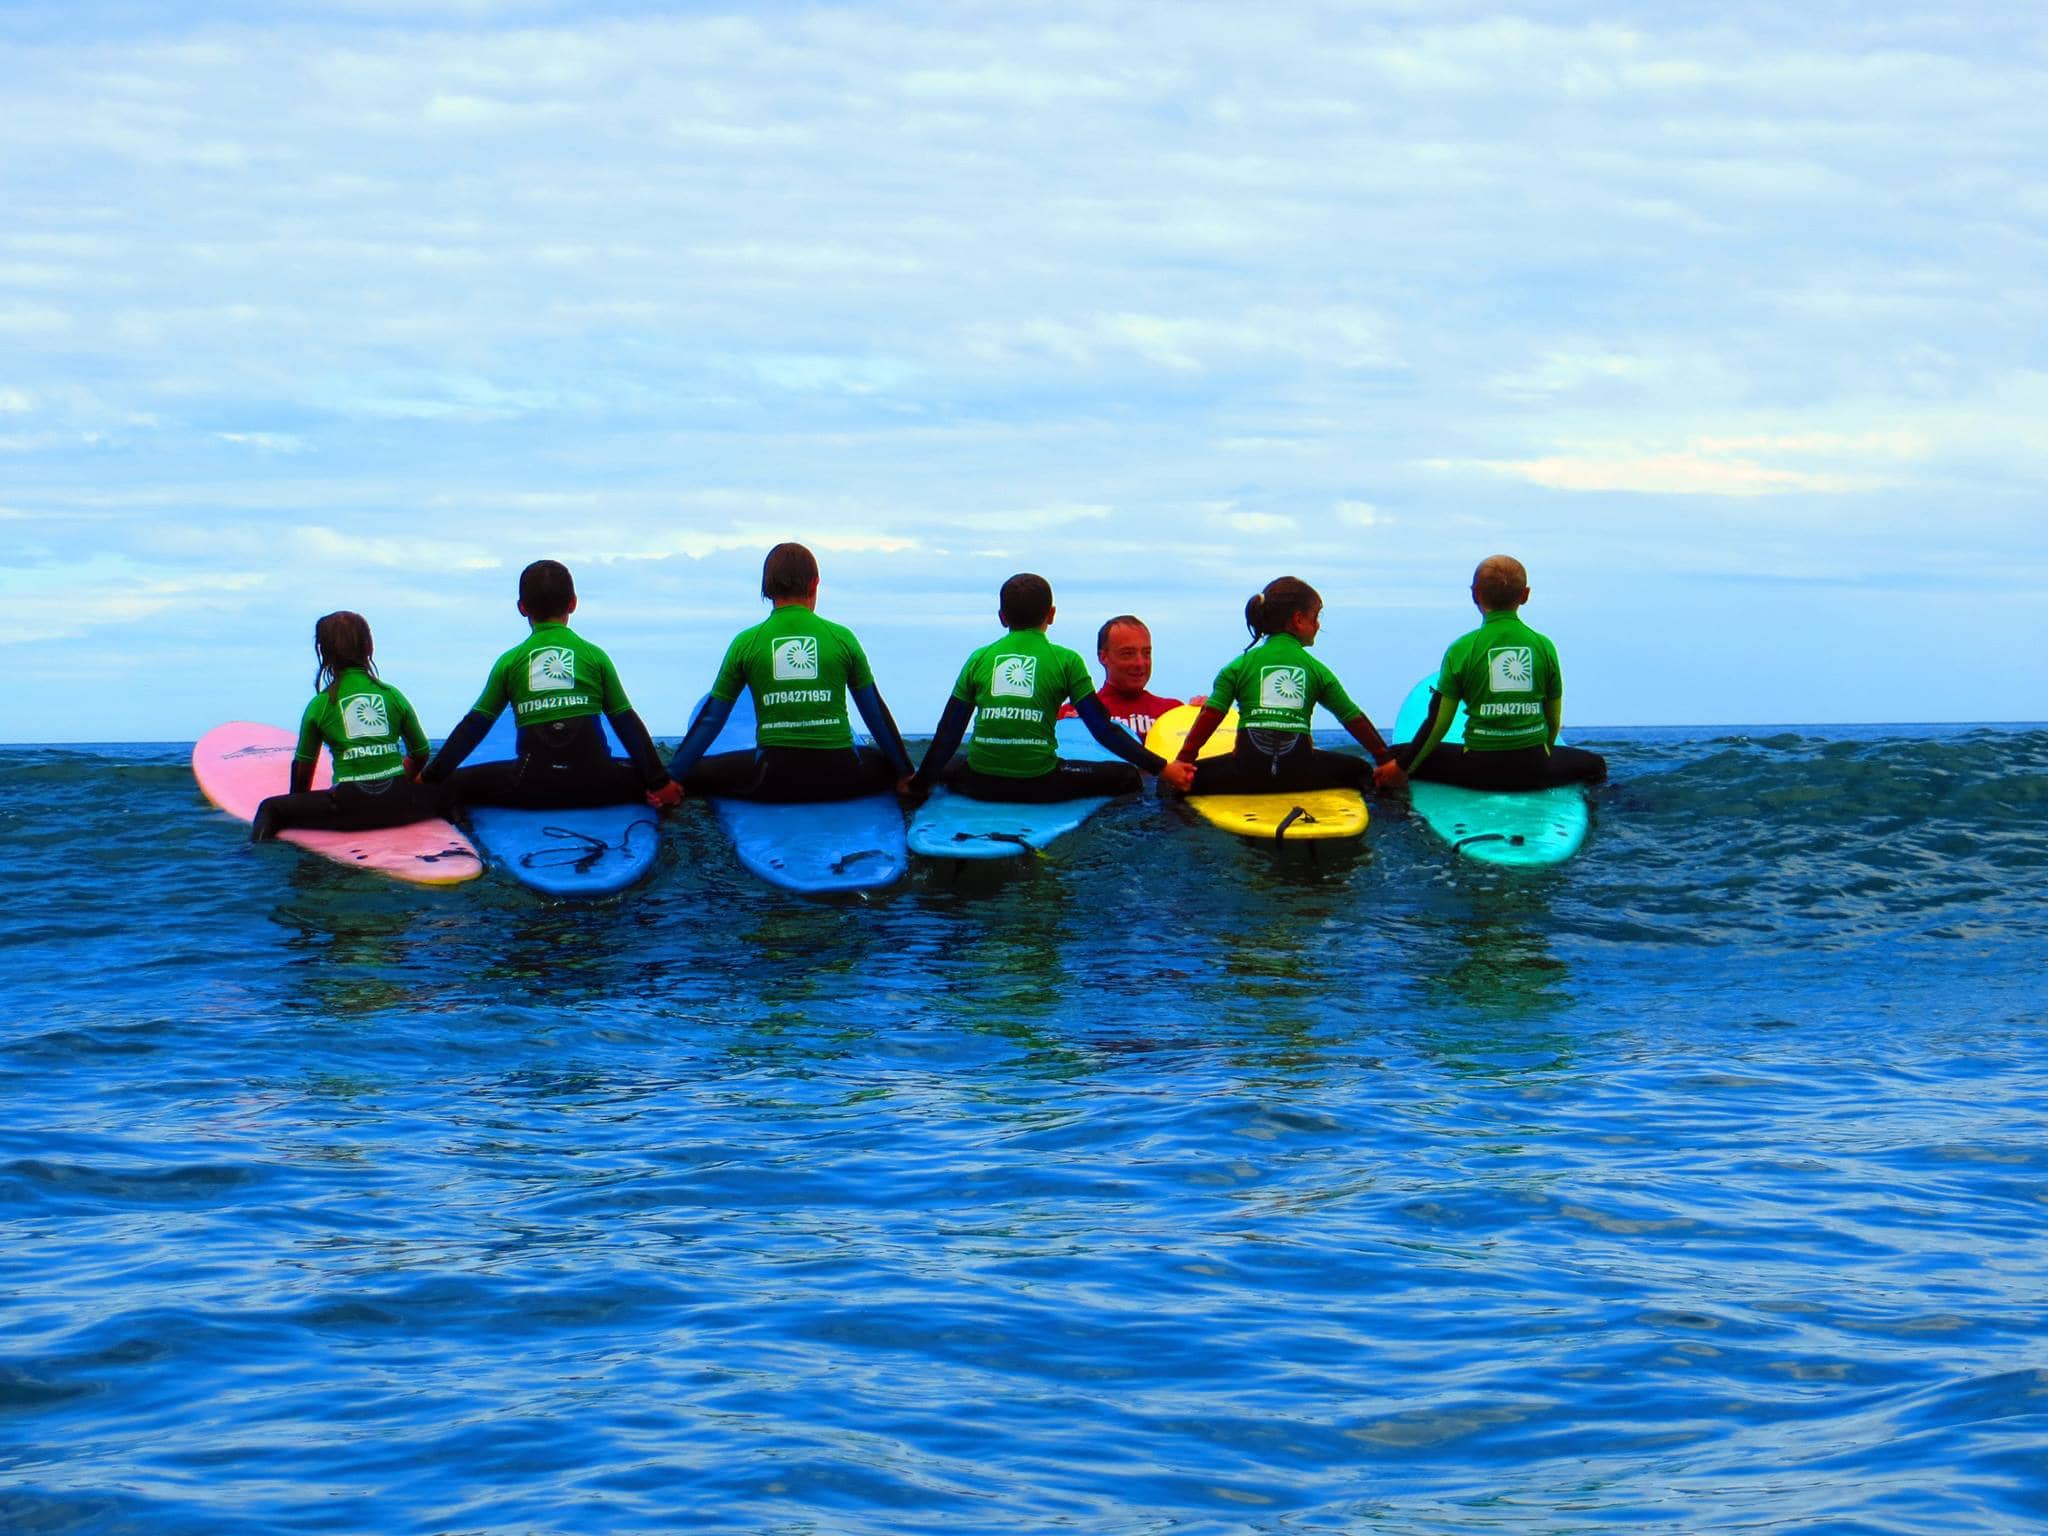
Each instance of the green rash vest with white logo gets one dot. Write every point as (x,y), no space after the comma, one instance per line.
(799,667)
(1505,672)
(1017,685)
(368,727)
(1276,686)
(553,674)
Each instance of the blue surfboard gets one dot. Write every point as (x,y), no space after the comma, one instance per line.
(1494,826)
(588,852)
(950,826)
(815,847)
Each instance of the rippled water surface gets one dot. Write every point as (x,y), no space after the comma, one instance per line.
(1164,1185)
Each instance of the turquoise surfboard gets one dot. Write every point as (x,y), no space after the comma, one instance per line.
(1495,826)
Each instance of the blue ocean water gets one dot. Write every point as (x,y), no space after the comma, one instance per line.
(1162,1184)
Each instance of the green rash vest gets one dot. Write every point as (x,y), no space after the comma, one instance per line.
(1017,685)
(553,674)
(1505,673)
(799,667)
(368,727)
(1276,686)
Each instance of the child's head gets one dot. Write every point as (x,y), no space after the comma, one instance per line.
(1283,607)
(340,641)
(1026,602)
(546,591)
(789,571)
(1500,585)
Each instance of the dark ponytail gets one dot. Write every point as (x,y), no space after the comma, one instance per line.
(341,640)
(1271,611)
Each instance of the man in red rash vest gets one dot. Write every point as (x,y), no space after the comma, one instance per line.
(1124,647)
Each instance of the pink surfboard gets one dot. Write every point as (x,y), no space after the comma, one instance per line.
(238,764)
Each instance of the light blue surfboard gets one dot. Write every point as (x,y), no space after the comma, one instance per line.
(815,847)
(950,826)
(587,852)
(1494,826)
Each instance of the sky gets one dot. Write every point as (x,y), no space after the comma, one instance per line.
(1728,320)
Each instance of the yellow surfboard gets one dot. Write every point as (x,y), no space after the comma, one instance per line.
(1291,817)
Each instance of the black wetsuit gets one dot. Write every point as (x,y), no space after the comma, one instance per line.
(1286,762)
(1068,779)
(1517,768)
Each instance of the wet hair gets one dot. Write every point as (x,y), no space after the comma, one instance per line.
(1499,583)
(1026,600)
(1102,634)
(1270,611)
(547,590)
(789,571)
(341,640)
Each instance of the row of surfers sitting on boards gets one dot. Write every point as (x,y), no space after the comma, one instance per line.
(801,669)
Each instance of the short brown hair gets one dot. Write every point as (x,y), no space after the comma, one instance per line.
(1499,582)
(789,571)
(1025,601)
(1102,634)
(547,590)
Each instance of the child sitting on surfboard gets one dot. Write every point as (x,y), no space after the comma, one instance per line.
(1276,686)
(557,683)
(1507,677)
(800,669)
(370,731)
(1011,691)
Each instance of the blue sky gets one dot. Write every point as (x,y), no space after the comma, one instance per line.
(1728,321)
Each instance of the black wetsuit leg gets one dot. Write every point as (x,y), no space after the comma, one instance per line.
(561,767)
(1069,780)
(353,807)
(1254,767)
(793,774)
(731,775)
(801,773)
(1520,768)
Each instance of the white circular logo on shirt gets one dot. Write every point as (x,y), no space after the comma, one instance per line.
(796,660)
(551,670)
(1283,687)
(1511,669)
(363,714)
(1016,677)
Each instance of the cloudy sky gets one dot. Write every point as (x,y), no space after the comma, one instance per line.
(1729,320)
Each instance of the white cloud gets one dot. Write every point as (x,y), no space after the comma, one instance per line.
(1685,472)
(331,548)
(68,600)
(1020,519)
(1189,344)
(1362,514)
(21,319)
(1561,373)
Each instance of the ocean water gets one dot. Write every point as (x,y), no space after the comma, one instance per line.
(1165,1184)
